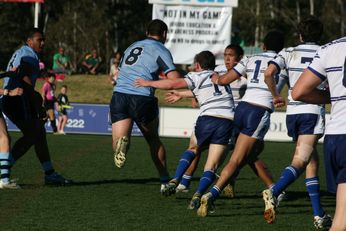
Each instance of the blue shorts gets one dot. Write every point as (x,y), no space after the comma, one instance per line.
(252,120)
(335,160)
(142,109)
(304,124)
(213,130)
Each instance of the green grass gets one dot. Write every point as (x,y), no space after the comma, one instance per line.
(107,198)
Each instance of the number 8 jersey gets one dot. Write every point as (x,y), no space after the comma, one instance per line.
(253,69)
(143,59)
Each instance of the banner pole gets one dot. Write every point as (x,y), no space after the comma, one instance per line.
(37,9)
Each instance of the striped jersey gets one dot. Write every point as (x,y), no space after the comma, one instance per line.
(253,68)
(330,63)
(295,60)
(214,100)
(143,59)
(238,86)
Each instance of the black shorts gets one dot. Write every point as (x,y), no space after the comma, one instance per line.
(142,109)
(49,104)
(18,108)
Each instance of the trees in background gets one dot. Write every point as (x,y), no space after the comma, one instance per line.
(111,25)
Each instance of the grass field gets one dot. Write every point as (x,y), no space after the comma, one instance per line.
(106,198)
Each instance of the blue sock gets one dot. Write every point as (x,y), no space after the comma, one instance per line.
(288,176)
(313,187)
(206,180)
(215,192)
(186,180)
(5,166)
(47,167)
(184,163)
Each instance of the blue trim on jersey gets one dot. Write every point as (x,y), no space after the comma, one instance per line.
(205,86)
(276,65)
(296,69)
(305,50)
(319,75)
(332,69)
(338,98)
(237,72)
(219,107)
(193,85)
(262,88)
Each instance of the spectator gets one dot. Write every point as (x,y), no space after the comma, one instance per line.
(48,95)
(117,56)
(113,73)
(91,63)
(63,104)
(61,64)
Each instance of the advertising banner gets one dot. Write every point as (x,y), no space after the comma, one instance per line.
(192,29)
(229,3)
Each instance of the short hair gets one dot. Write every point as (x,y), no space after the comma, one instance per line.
(311,29)
(206,60)
(237,49)
(274,41)
(33,31)
(157,27)
(64,86)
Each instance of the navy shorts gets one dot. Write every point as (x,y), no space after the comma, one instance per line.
(213,130)
(335,160)
(252,120)
(18,108)
(142,109)
(304,124)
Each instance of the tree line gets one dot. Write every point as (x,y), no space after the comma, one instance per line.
(111,25)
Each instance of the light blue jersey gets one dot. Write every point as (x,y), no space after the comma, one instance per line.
(143,59)
(27,55)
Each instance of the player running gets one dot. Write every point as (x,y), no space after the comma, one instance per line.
(305,123)
(330,64)
(214,124)
(252,115)
(145,58)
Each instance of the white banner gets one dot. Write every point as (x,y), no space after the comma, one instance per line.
(229,3)
(192,29)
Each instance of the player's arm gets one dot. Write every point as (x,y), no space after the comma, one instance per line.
(175,96)
(226,78)
(305,89)
(269,79)
(166,84)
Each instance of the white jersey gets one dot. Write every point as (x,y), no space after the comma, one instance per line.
(214,100)
(295,60)
(238,86)
(330,63)
(253,69)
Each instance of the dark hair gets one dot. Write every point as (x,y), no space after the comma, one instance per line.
(31,33)
(274,41)
(157,27)
(237,49)
(64,86)
(311,29)
(206,59)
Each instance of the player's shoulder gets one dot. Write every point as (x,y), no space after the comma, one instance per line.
(334,43)
(221,68)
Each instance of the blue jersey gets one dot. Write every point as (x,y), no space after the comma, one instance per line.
(143,59)
(27,55)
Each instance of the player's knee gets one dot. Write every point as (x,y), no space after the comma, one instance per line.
(303,153)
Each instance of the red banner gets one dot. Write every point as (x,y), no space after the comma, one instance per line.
(39,1)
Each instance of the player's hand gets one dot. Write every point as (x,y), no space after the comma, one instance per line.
(278,101)
(139,82)
(15,92)
(215,78)
(172,96)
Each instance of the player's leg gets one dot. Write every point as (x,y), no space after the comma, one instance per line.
(321,219)
(60,118)
(215,156)
(63,123)
(5,158)
(243,147)
(122,123)
(157,150)
(339,221)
